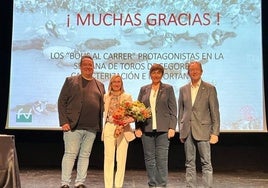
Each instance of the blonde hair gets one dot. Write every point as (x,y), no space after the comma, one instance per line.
(122,90)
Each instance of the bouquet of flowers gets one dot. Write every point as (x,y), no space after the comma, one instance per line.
(129,112)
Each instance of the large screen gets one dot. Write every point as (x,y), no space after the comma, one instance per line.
(126,38)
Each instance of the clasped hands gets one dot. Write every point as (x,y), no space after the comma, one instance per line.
(171,133)
(128,120)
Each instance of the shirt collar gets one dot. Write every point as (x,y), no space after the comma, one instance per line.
(197,85)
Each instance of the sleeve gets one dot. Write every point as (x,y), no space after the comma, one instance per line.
(172,108)
(62,103)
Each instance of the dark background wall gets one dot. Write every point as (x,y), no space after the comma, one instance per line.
(239,151)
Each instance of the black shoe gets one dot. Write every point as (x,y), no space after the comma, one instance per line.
(65,186)
(80,186)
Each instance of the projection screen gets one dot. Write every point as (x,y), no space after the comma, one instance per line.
(126,38)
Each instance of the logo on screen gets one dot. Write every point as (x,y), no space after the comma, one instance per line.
(23,116)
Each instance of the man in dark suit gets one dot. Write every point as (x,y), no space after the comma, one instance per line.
(199,124)
(80,107)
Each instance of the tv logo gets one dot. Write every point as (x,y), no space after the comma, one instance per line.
(25,117)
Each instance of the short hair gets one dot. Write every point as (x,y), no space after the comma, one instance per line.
(84,57)
(122,90)
(157,66)
(195,62)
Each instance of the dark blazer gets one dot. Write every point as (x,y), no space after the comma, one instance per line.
(70,101)
(203,118)
(166,108)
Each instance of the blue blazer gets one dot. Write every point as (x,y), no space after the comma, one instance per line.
(166,108)
(70,101)
(203,117)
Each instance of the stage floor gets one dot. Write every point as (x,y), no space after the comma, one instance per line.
(50,178)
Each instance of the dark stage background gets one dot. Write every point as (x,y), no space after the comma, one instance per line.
(235,151)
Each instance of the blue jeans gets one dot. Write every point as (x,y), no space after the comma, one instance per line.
(155,147)
(203,147)
(76,143)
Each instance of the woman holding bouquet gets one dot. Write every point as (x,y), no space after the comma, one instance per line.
(156,132)
(115,137)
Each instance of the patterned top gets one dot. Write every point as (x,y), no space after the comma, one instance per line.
(114,104)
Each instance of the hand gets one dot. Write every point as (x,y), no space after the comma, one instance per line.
(171,133)
(138,133)
(128,120)
(66,127)
(213,139)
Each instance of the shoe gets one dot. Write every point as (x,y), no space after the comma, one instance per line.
(80,186)
(65,186)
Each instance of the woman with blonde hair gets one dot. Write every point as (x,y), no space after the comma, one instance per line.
(115,146)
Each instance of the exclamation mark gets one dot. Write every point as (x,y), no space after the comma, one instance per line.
(68,20)
(218,18)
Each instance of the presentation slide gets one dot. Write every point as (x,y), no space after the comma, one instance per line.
(126,38)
